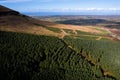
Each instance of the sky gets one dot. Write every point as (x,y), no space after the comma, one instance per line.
(106,6)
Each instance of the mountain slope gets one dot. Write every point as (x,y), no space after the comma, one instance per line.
(53,51)
(11,20)
(7,11)
(32,57)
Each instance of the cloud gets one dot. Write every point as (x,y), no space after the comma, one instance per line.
(13,1)
(74,9)
(90,9)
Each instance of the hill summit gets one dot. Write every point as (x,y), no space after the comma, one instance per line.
(13,19)
(7,11)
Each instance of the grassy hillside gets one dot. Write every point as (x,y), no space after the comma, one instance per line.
(91,24)
(41,50)
(31,57)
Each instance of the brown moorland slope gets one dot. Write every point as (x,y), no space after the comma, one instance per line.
(11,20)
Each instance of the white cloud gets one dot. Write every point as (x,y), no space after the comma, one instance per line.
(39,9)
(74,9)
(91,9)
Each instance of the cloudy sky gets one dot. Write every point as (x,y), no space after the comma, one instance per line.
(63,5)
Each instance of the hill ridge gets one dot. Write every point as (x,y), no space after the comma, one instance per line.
(6,11)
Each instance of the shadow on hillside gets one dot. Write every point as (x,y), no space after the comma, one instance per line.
(113,26)
(87,22)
